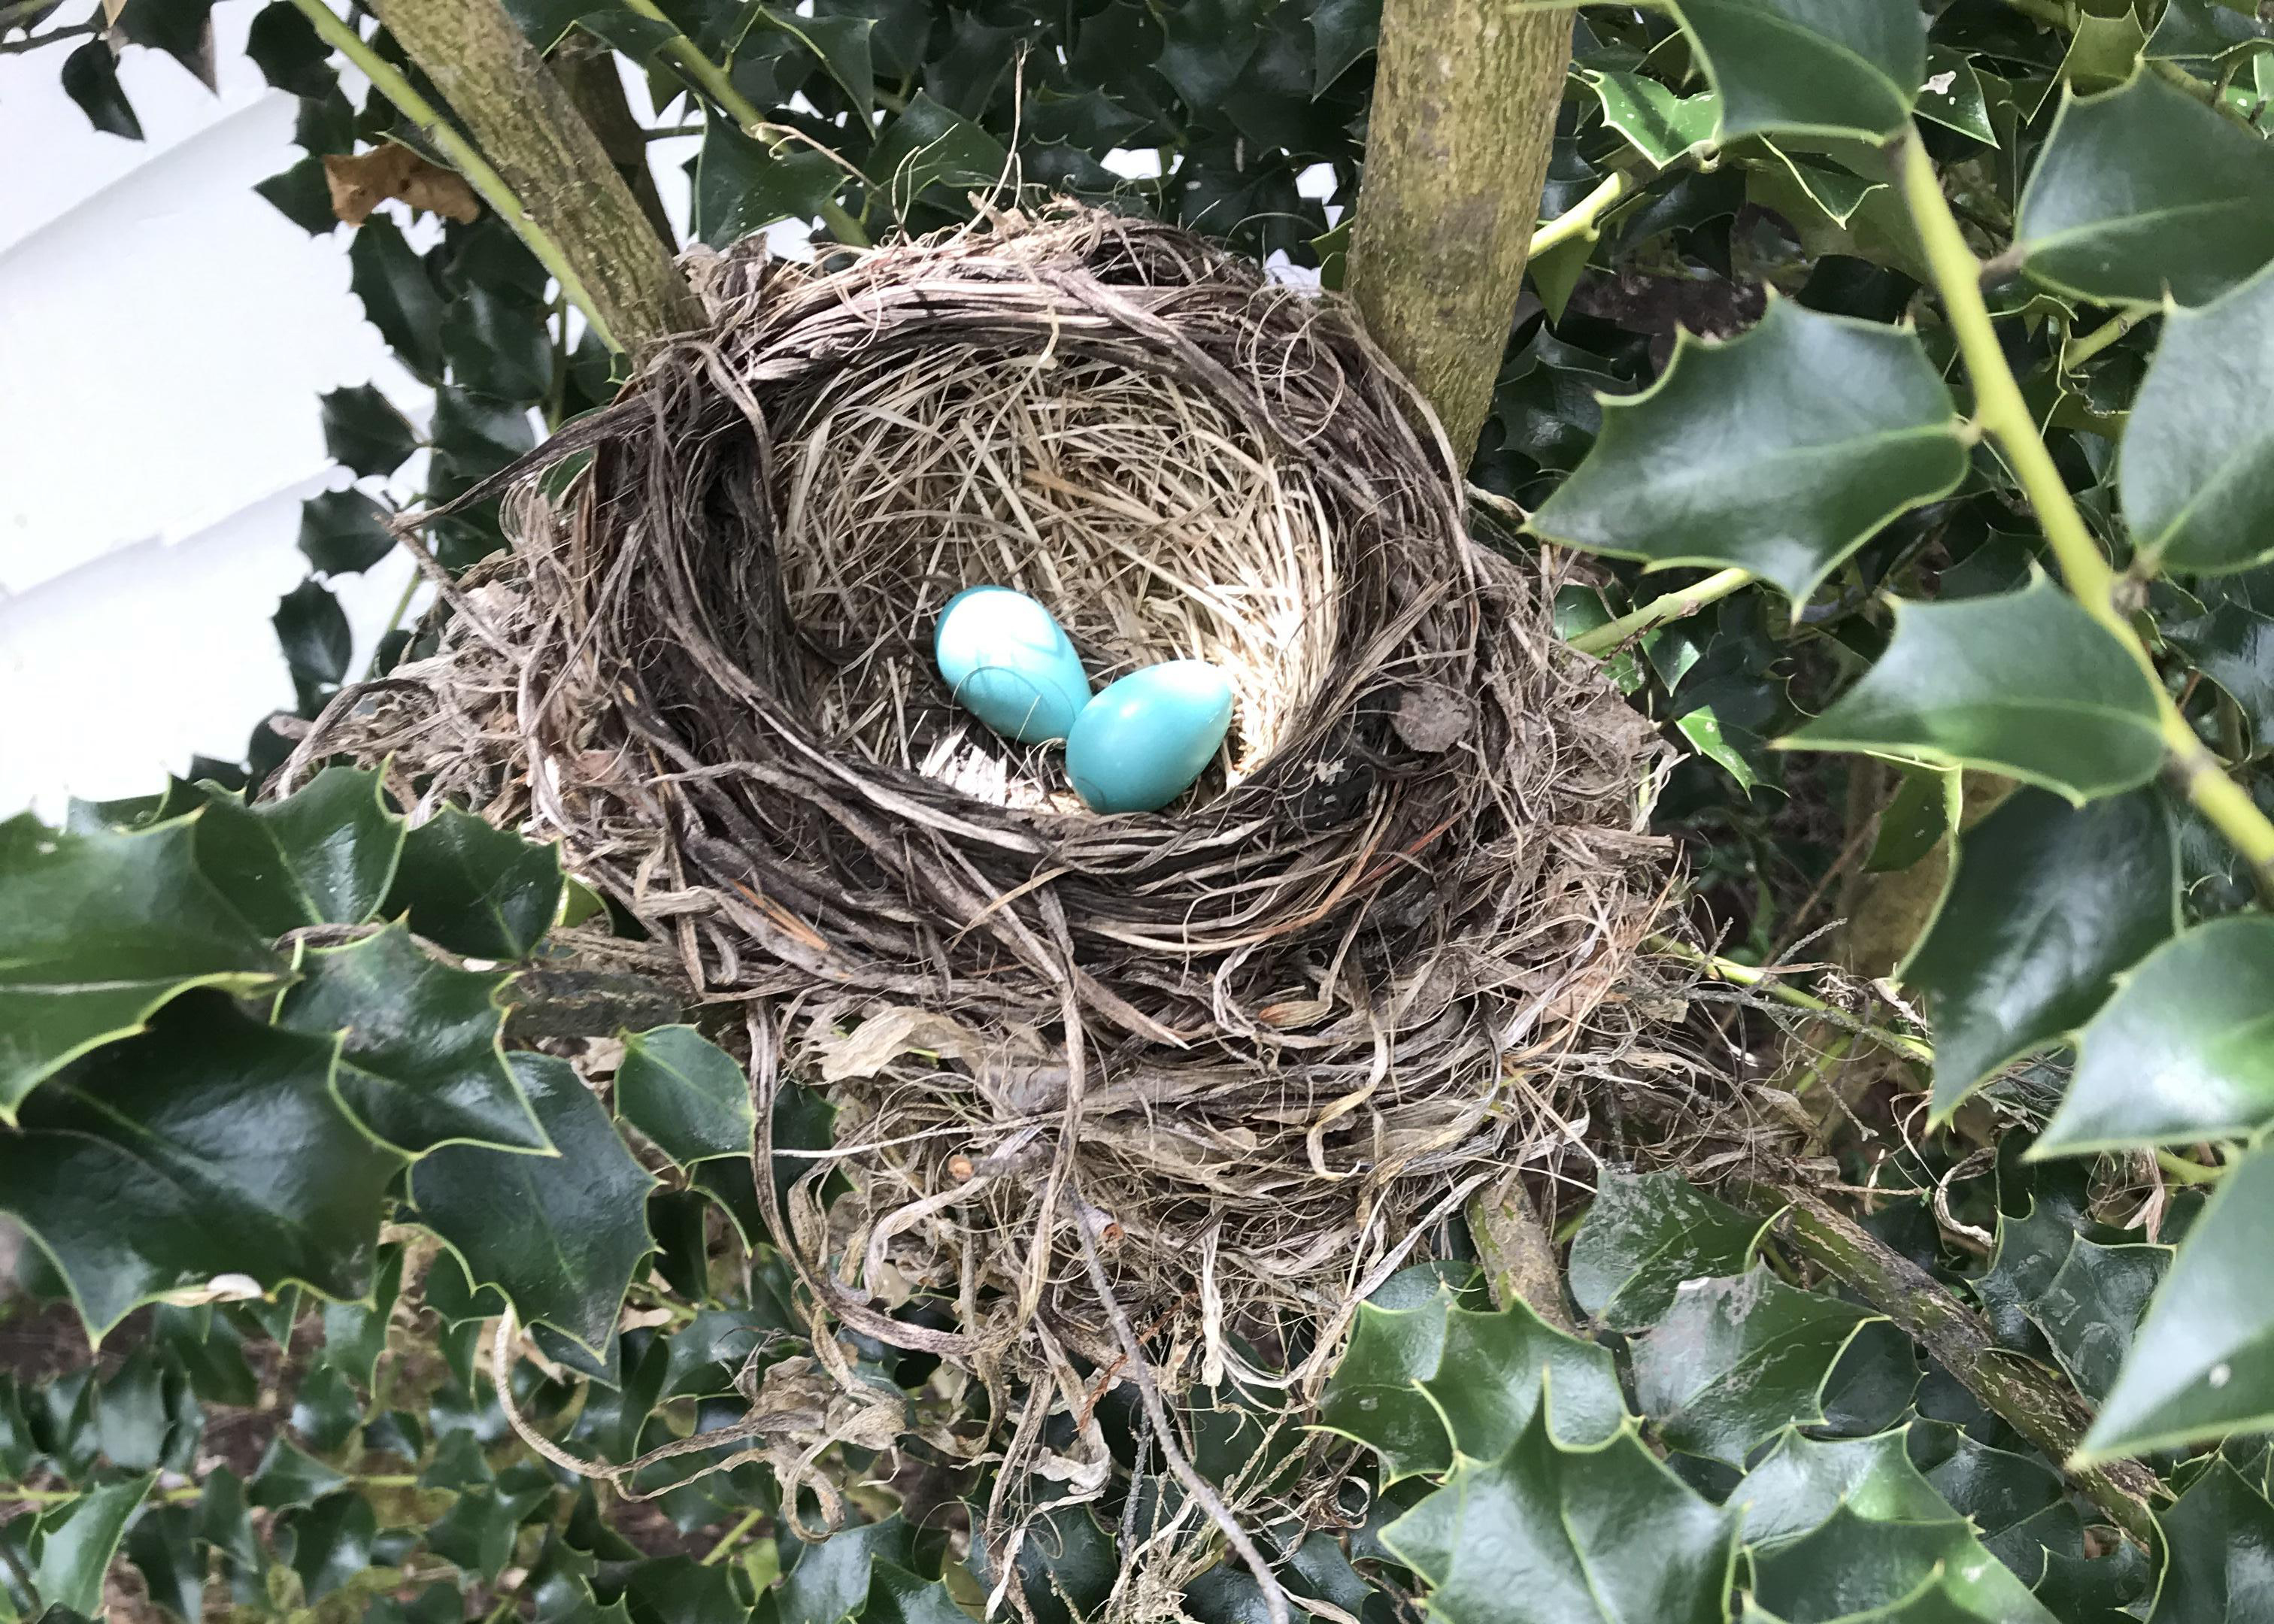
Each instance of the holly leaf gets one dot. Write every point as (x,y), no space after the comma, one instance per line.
(331,1541)
(474,888)
(2220,1537)
(1780,452)
(1548,1534)
(685,1094)
(283,44)
(211,1146)
(344,532)
(312,630)
(1643,1237)
(2202,1364)
(2144,193)
(1416,1383)
(2182,1051)
(930,146)
(99,929)
(76,1541)
(1952,95)
(90,78)
(1800,1482)
(363,430)
(421,1065)
(1342,32)
(1822,67)
(560,1235)
(1656,122)
(498,345)
(829,1579)
(2206,30)
(398,295)
(839,43)
(1851,1566)
(740,184)
(2023,683)
(1737,1358)
(2090,1307)
(2046,903)
(2197,473)
(323,855)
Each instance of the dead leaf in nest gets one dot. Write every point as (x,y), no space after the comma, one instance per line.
(360,182)
(884,1035)
(1431,717)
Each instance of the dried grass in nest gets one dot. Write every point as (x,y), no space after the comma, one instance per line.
(1233,1060)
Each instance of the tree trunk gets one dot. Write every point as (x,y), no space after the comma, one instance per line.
(1464,99)
(528,129)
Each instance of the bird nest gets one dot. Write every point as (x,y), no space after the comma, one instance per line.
(1163,1092)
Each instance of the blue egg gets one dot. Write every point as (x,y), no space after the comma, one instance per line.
(1010,664)
(1140,743)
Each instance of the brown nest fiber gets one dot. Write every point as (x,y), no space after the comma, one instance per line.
(1239,1055)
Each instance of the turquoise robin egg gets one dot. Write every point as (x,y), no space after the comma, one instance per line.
(1140,743)
(1010,664)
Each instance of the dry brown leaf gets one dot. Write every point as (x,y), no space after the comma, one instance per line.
(360,182)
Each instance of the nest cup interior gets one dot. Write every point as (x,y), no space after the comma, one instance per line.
(1145,517)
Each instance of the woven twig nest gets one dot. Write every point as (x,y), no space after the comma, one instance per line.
(1240,1054)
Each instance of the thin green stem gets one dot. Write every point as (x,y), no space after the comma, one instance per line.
(2004,416)
(25,13)
(711,80)
(1763,980)
(731,1538)
(1580,219)
(2183,1171)
(1673,607)
(485,181)
(32,43)
(2076,352)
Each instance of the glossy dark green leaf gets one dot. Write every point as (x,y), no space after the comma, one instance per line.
(2182,1051)
(223,1521)
(421,1065)
(1952,95)
(1573,1536)
(1737,1358)
(2144,192)
(181,29)
(323,854)
(929,145)
(2221,1561)
(2090,1307)
(2025,683)
(1656,122)
(355,1334)
(97,931)
(90,78)
(331,1541)
(1779,452)
(1852,1565)
(1417,1383)
(77,1538)
(829,1579)
(1342,32)
(2197,473)
(1915,820)
(476,890)
(1205,45)
(363,430)
(1643,1237)
(2234,645)
(398,295)
(1799,1484)
(898,1597)
(840,43)
(497,344)
(283,44)
(476,1533)
(1842,67)
(1066,1563)
(313,631)
(131,1419)
(2202,1364)
(163,1546)
(344,532)
(475,436)
(560,1235)
(325,1409)
(212,1146)
(740,184)
(2045,904)
(685,1094)
(2205,30)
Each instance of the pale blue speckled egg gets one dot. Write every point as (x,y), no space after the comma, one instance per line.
(1140,743)
(1010,664)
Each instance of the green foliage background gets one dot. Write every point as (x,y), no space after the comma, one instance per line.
(1967,499)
